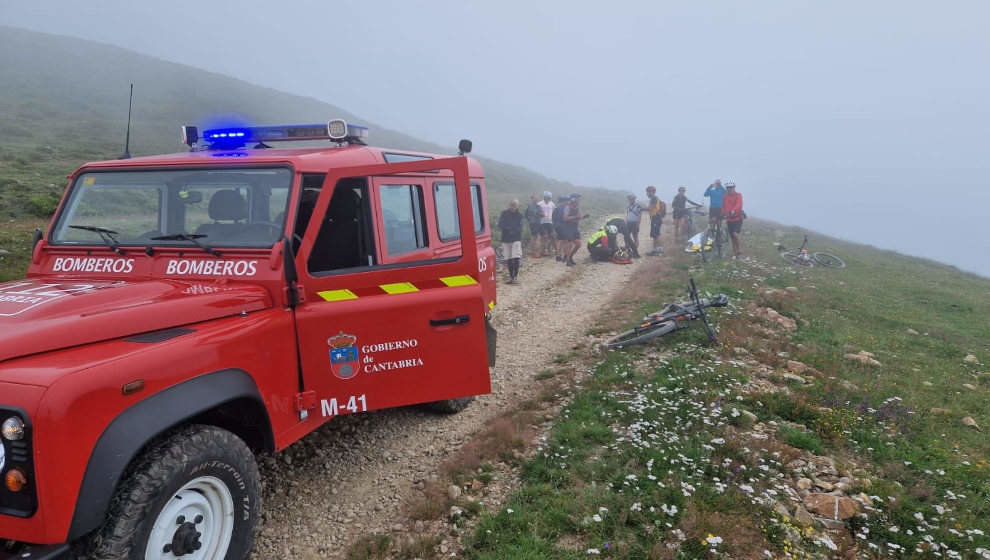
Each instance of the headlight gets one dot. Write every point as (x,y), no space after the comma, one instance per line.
(13,429)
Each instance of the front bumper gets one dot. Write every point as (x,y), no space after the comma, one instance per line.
(20,551)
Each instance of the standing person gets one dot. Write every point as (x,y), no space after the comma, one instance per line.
(558,247)
(680,211)
(571,218)
(715,193)
(546,223)
(732,211)
(511,224)
(533,215)
(634,212)
(657,210)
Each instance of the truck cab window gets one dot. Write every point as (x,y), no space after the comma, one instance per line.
(345,238)
(404,219)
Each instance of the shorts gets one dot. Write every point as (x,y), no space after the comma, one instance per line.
(714,212)
(633,227)
(512,250)
(655,223)
(558,230)
(546,229)
(679,213)
(569,232)
(734,227)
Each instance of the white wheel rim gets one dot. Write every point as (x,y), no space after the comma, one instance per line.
(206,499)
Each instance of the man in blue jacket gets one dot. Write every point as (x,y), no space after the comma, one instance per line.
(715,193)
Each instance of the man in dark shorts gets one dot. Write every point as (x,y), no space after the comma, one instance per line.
(558,247)
(570,221)
(715,193)
(657,210)
(679,205)
(732,211)
(533,215)
(634,212)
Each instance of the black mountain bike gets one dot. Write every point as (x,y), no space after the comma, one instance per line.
(802,257)
(673,317)
(713,240)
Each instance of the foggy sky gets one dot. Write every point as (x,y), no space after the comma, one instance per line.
(864,120)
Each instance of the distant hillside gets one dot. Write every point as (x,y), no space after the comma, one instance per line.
(64,102)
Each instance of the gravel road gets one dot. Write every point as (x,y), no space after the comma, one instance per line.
(351,477)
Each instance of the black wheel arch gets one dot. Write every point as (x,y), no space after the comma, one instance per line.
(228,399)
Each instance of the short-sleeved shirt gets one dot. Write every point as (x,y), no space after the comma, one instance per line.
(633,212)
(656,207)
(547,211)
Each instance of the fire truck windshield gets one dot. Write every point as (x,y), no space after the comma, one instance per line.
(243,207)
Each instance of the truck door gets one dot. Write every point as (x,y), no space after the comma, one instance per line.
(385,323)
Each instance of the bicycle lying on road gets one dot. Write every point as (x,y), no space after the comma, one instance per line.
(672,317)
(802,257)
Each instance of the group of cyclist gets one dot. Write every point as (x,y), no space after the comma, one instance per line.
(554,226)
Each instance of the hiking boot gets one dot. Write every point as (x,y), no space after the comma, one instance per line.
(559,258)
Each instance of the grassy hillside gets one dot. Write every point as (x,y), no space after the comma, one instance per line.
(751,449)
(64,102)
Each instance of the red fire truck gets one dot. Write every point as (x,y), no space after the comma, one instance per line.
(186,311)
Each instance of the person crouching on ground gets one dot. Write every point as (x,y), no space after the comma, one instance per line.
(570,222)
(634,212)
(601,244)
(511,224)
(657,210)
(732,212)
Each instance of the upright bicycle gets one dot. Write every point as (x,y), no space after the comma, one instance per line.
(672,317)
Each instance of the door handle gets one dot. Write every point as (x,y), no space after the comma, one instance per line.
(459,320)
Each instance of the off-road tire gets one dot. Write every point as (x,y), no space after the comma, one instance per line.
(449,406)
(829,260)
(163,468)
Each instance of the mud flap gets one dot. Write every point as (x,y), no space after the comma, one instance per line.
(491,337)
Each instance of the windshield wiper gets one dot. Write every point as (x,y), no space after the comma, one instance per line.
(106,234)
(190,237)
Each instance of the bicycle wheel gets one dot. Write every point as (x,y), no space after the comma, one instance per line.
(829,260)
(640,335)
(793,257)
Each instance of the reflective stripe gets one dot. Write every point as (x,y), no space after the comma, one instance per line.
(462,280)
(491,305)
(337,295)
(399,288)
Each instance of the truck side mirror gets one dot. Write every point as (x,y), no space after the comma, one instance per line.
(464,147)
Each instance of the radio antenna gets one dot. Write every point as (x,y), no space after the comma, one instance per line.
(127,139)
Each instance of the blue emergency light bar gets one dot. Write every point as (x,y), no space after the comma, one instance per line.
(336,130)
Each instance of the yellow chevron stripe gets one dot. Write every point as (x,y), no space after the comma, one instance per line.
(399,288)
(462,280)
(337,295)
(491,305)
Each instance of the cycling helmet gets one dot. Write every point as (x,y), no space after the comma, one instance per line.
(730,184)
(612,230)
(622,256)
(547,194)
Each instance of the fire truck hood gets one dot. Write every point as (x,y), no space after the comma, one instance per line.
(43,314)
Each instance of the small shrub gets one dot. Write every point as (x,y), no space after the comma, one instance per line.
(370,547)
(42,205)
(807,440)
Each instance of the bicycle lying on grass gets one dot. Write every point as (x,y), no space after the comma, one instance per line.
(672,317)
(802,257)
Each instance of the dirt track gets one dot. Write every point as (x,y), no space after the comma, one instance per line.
(351,477)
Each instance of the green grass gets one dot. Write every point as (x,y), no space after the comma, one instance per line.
(876,421)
